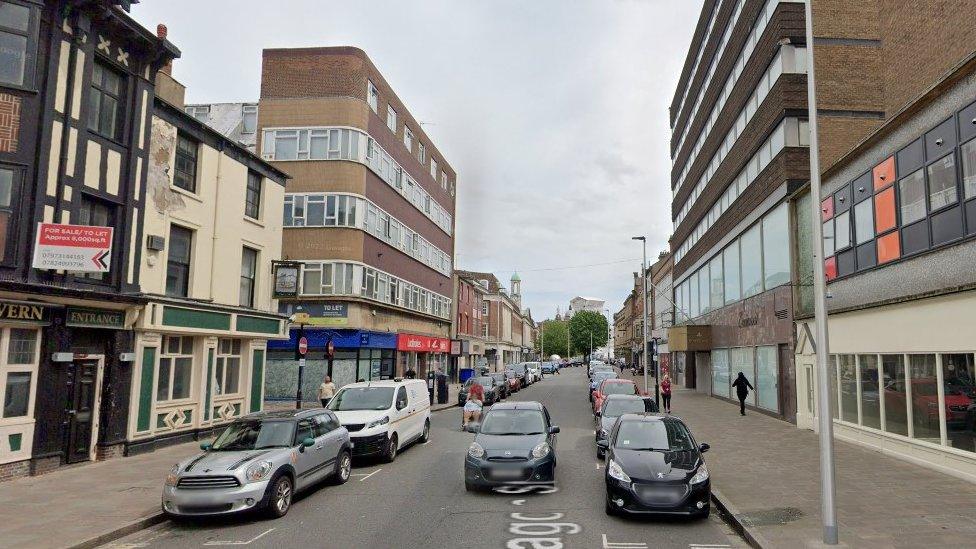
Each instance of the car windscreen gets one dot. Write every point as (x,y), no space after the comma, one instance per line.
(618,389)
(532,364)
(255,435)
(510,374)
(486,381)
(600,376)
(619,406)
(662,436)
(518,368)
(498,377)
(362,398)
(513,422)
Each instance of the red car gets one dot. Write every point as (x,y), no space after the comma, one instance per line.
(613,387)
(514,381)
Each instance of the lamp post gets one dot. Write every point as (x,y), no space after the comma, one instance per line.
(657,394)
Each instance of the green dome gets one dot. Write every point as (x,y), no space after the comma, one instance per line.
(515,277)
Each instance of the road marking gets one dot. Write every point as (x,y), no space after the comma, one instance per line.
(707,545)
(248,542)
(518,502)
(622,544)
(369,475)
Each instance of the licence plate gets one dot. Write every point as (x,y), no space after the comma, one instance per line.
(506,473)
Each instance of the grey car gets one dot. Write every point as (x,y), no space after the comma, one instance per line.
(615,406)
(258,463)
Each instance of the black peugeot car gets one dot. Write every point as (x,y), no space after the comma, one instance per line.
(615,406)
(487,383)
(516,444)
(501,384)
(654,466)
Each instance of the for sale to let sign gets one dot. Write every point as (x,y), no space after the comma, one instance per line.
(73,247)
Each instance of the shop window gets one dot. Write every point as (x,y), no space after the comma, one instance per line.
(720,372)
(911,190)
(925,398)
(968,153)
(227,371)
(751,243)
(942,182)
(883,174)
(895,405)
(17,394)
(767,378)
(22,347)
(847,376)
(884,211)
(178,261)
(742,360)
(832,364)
(105,101)
(959,387)
(175,369)
(888,247)
(870,394)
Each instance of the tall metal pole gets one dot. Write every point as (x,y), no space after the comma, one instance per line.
(301,366)
(657,395)
(825,414)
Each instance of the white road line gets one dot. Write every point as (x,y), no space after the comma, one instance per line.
(706,546)
(248,542)
(518,502)
(622,544)
(369,475)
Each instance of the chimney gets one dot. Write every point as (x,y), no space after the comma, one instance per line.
(161,32)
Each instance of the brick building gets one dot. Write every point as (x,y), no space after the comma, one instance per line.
(368,222)
(469,320)
(509,330)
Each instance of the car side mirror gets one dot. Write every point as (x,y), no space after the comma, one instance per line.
(307,442)
(554,429)
(704,447)
(206,446)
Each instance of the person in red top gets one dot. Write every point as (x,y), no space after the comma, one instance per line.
(666,393)
(472,407)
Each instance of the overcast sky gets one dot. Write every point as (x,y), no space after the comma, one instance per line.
(553,112)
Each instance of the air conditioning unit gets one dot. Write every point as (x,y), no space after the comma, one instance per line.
(155,242)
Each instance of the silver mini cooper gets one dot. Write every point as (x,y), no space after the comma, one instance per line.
(257,463)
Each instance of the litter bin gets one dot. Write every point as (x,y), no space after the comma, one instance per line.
(465,374)
(442,395)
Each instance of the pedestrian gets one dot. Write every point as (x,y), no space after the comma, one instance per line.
(666,392)
(742,387)
(326,391)
(472,407)
(411,374)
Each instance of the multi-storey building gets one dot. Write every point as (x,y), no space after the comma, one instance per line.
(468,326)
(368,220)
(237,121)
(76,92)
(508,329)
(740,158)
(623,321)
(899,221)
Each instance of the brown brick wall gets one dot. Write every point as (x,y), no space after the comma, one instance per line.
(103,453)
(839,134)
(848,76)
(9,122)
(333,243)
(17,469)
(846,19)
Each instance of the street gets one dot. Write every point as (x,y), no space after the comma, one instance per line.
(420,501)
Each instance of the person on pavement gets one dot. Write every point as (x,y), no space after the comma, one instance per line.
(472,408)
(742,387)
(666,393)
(411,374)
(326,391)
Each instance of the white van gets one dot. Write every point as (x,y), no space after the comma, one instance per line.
(383,416)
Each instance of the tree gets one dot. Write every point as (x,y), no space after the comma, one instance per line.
(553,333)
(582,326)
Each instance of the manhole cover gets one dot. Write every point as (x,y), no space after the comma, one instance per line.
(767,517)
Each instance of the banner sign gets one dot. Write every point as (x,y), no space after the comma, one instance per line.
(95,318)
(73,247)
(422,344)
(320,314)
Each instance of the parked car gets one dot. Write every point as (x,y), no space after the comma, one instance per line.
(383,416)
(258,462)
(615,406)
(516,444)
(654,466)
(487,383)
(549,367)
(514,381)
(599,368)
(535,370)
(522,371)
(598,378)
(501,382)
(613,386)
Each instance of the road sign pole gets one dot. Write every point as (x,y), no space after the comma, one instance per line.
(300,354)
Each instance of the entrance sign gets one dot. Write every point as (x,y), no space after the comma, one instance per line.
(73,248)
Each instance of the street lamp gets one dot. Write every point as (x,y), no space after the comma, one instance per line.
(657,393)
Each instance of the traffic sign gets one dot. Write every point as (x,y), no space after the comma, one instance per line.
(300,318)
(303,346)
(81,248)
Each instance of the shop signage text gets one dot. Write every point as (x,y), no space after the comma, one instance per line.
(423,344)
(95,318)
(73,247)
(22,311)
(319,314)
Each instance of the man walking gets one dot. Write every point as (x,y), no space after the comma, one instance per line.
(742,387)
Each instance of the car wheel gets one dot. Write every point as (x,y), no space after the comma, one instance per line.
(280,501)
(600,454)
(391,450)
(343,468)
(425,437)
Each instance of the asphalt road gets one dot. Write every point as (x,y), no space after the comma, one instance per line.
(420,501)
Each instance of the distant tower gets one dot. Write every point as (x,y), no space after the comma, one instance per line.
(559,315)
(517,289)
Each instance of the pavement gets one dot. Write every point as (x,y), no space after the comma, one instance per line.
(767,472)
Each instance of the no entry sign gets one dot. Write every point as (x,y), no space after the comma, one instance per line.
(303,346)
(73,247)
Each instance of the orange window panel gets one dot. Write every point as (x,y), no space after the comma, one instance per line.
(830,268)
(889,247)
(827,208)
(884,210)
(884,173)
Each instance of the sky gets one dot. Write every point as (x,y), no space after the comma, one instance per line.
(553,113)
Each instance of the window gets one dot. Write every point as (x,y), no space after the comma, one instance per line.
(252,195)
(391,118)
(178,261)
(958,386)
(968,152)
(421,153)
(16,44)
(767,378)
(715,282)
(752,282)
(185,175)
(105,102)
(911,192)
(175,369)
(249,119)
(863,221)
(433,168)
(17,394)
(776,246)
(925,398)
(848,387)
(743,360)
(444,180)
(896,415)
(22,346)
(942,182)
(730,257)
(372,97)
(842,231)
(249,265)
(200,112)
(408,139)
(22,358)
(9,189)
(95,213)
(828,238)
(870,395)
(227,371)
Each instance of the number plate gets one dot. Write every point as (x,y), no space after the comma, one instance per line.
(506,473)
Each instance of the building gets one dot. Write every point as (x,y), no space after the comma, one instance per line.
(212,215)
(368,221)
(237,121)
(468,327)
(579,303)
(661,317)
(899,218)
(739,150)
(76,96)
(508,329)
(623,328)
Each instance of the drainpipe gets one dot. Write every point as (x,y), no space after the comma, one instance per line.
(213,243)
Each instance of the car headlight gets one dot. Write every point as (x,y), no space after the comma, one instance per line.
(541,450)
(475,450)
(701,475)
(615,471)
(173,477)
(376,423)
(258,471)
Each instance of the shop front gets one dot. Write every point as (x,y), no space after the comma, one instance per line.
(421,354)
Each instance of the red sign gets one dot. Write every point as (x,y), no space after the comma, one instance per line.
(302,346)
(422,344)
(73,247)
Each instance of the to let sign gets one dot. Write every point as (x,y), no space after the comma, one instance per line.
(73,247)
